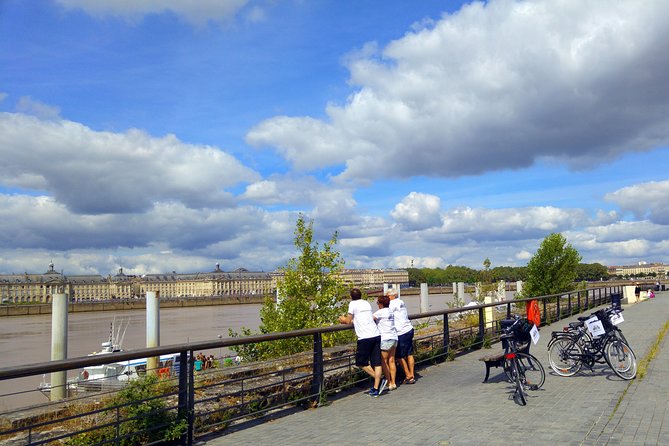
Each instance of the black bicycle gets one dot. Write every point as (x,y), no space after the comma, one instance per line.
(575,347)
(523,369)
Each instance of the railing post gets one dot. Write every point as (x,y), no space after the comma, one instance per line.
(447,335)
(481,328)
(559,313)
(569,303)
(545,315)
(185,409)
(317,381)
(191,395)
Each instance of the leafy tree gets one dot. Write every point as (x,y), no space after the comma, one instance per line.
(509,273)
(485,282)
(591,272)
(311,293)
(552,270)
(486,275)
(416,276)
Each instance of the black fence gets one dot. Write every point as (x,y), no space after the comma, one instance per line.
(182,401)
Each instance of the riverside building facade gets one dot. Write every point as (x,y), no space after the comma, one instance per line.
(39,288)
(641,269)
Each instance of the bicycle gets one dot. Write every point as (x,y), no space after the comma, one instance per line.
(523,369)
(575,347)
(609,314)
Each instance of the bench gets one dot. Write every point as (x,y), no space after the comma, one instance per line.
(497,360)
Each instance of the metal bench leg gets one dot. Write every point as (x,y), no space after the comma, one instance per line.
(487,372)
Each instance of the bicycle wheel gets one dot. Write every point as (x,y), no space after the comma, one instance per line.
(564,356)
(621,358)
(532,373)
(519,394)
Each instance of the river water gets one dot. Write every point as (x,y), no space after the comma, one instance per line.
(27,339)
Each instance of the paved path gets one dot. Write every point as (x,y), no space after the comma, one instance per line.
(449,405)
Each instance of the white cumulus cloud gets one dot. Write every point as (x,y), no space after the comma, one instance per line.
(644,200)
(94,172)
(496,85)
(418,211)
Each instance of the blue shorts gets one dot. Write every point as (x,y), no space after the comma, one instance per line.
(404,345)
(368,352)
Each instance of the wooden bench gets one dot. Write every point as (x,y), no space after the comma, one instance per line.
(497,359)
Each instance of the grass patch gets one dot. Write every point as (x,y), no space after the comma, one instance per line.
(644,363)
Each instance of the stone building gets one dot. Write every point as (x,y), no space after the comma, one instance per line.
(643,268)
(15,288)
(39,288)
(374,278)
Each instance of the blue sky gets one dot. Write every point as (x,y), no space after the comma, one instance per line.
(169,136)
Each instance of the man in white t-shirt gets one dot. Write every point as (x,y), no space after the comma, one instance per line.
(368,351)
(404,336)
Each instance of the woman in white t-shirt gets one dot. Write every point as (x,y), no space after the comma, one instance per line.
(405,333)
(385,321)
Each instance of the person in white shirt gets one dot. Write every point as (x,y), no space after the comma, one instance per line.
(404,336)
(385,321)
(368,351)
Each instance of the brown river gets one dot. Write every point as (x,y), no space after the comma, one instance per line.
(27,339)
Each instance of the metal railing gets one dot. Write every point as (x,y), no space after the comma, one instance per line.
(193,404)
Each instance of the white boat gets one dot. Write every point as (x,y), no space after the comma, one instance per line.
(116,374)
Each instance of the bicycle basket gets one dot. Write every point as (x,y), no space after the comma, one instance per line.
(522,330)
(605,319)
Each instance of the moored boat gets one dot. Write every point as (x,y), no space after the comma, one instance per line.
(114,375)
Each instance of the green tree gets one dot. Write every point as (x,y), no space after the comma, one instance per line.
(591,272)
(485,282)
(486,276)
(416,276)
(552,270)
(508,273)
(311,293)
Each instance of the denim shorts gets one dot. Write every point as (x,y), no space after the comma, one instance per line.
(388,344)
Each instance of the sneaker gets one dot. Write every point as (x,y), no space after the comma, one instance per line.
(374,393)
(371,389)
(382,387)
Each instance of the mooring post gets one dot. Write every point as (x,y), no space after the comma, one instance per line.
(58,344)
(424,298)
(152,328)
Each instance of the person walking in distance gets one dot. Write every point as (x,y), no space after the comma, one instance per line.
(368,349)
(637,291)
(404,336)
(385,321)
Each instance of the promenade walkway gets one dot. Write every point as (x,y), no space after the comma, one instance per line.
(449,405)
